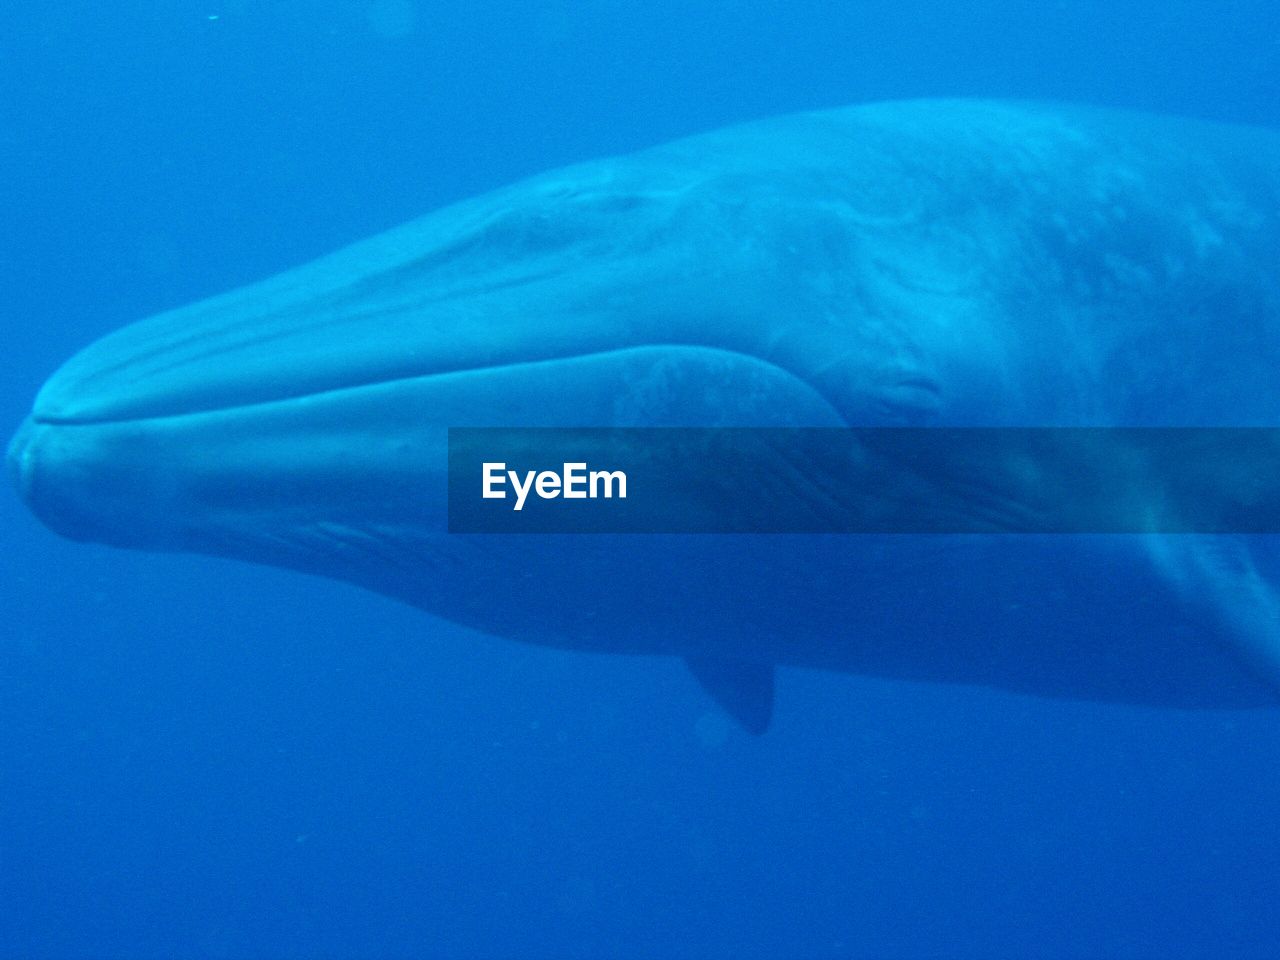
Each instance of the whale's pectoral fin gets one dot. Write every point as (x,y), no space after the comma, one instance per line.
(1236,574)
(1236,578)
(743,690)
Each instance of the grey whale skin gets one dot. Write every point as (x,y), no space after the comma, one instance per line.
(931,262)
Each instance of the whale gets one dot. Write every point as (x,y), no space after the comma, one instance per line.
(934,263)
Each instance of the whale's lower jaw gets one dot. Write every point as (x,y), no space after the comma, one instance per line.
(365,458)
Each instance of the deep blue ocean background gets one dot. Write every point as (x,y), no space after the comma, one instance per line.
(200,758)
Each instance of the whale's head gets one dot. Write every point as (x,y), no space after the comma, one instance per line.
(941,264)
(304,418)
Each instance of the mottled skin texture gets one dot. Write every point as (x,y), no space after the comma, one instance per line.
(965,263)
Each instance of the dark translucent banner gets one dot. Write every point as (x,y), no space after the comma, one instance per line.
(864,480)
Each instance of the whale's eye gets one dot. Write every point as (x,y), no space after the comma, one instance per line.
(909,401)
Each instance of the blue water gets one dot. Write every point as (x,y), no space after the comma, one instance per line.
(199,758)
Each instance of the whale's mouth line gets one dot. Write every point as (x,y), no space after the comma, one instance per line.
(336,392)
